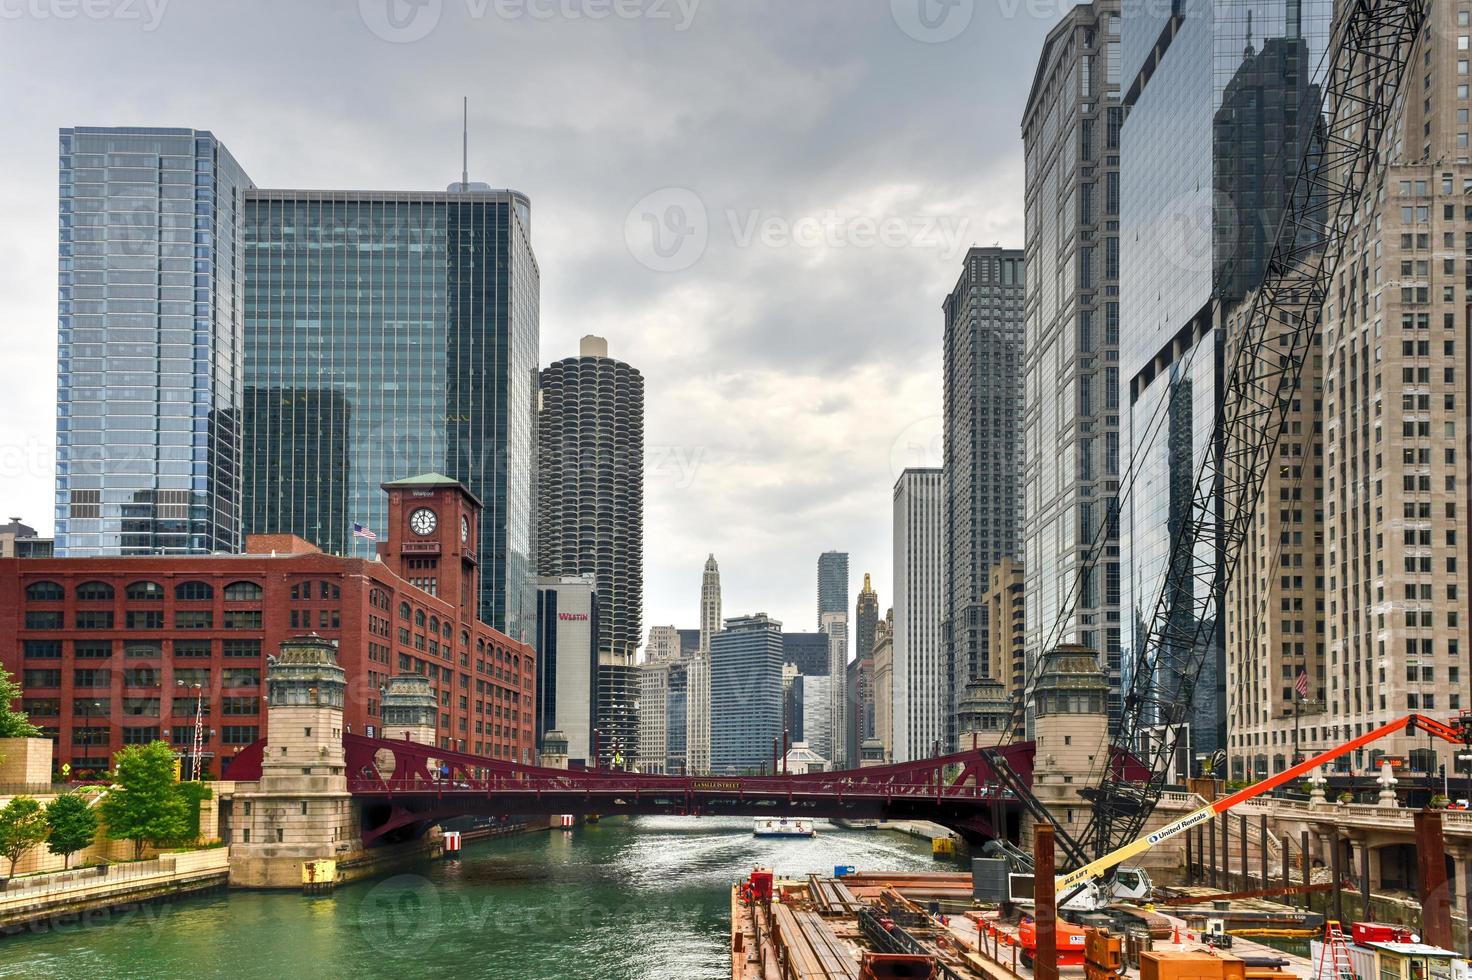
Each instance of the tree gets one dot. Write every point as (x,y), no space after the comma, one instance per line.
(13,724)
(22,827)
(73,825)
(144,804)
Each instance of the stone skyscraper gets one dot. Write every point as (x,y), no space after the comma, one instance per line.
(697,707)
(150,320)
(1366,595)
(1070,134)
(983,452)
(591,513)
(861,671)
(920,680)
(866,619)
(835,625)
(710,603)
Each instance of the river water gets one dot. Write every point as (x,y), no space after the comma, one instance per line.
(619,900)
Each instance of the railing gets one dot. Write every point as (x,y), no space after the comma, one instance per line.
(80,878)
(33,789)
(756,787)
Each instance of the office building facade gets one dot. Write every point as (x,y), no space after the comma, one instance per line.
(1395,447)
(745,694)
(113,651)
(835,627)
(150,320)
(1071,406)
(920,675)
(1221,104)
(983,451)
(390,332)
(567,661)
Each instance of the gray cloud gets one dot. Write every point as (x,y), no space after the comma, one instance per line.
(842,164)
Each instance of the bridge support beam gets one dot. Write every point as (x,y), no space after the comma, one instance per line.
(1436,913)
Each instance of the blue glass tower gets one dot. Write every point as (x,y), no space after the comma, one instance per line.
(389,334)
(1221,100)
(745,694)
(149,331)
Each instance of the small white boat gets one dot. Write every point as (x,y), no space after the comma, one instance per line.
(781,827)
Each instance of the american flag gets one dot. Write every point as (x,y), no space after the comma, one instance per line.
(1301,685)
(359,531)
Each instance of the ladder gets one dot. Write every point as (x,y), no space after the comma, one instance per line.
(1334,955)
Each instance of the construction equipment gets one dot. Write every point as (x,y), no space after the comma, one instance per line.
(1103,955)
(1070,941)
(1368,55)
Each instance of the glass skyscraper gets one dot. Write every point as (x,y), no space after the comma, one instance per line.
(1220,101)
(388,334)
(745,694)
(149,332)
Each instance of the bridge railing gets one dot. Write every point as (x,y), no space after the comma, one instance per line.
(635,784)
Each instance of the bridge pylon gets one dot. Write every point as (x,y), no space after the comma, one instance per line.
(1071,722)
(290,828)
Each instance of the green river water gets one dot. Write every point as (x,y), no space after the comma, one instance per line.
(620,900)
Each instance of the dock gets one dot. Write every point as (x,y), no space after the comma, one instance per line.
(828,928)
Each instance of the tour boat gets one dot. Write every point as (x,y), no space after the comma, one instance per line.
(781,827)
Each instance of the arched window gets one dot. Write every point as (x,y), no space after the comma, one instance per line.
(243,592)
(465,638)
(403,610)
(45,591)
(434,624)
(150,591)
(419,617)
(448,630)
(94,592)
(480,644)
(193,591)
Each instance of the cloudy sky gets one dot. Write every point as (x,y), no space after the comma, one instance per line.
(761,203)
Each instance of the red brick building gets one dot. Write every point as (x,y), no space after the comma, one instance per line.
(116,651)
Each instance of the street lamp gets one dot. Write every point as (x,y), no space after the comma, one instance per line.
(198,748)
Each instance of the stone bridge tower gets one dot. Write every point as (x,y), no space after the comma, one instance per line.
(1070,700)
(409,710)
(291,827)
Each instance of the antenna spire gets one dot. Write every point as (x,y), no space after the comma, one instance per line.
(465,143)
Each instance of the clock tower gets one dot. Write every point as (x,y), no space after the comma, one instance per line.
(433,525)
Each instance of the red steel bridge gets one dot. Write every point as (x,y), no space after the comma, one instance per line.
(406,787)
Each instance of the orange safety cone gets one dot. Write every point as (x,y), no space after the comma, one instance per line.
(1177,937)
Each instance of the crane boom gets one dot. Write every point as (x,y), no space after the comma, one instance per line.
(1409,724)
(1369,53)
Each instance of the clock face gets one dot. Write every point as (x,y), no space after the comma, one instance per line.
(464,528)
(423,522)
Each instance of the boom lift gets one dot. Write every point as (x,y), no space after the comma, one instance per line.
(1369,53)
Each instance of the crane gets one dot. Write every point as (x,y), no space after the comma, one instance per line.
(1368,57)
